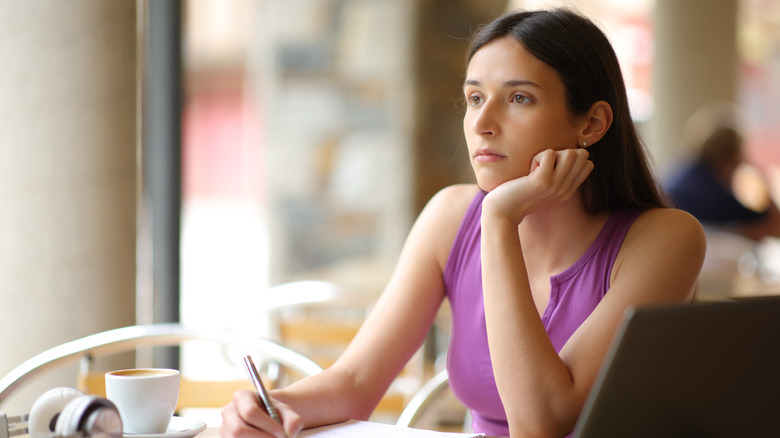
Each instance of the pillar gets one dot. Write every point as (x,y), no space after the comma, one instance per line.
(68,176)
(695,63)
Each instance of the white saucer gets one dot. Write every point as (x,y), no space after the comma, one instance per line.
(179,427)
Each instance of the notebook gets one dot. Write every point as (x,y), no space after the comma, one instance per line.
(366,429)
(703,370)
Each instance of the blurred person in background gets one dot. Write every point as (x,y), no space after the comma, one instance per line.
(718,186)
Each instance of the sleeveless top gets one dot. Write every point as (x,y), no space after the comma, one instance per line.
(574,293)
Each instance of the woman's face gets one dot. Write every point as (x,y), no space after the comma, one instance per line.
(515,108)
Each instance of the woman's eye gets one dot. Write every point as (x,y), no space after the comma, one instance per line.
(519,98)
(474,99)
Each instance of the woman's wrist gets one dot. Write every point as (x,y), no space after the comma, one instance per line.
(499,226)
(495,215)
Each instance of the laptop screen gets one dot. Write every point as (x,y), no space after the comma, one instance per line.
(699,370)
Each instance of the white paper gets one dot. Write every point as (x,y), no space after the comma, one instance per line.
(363,429)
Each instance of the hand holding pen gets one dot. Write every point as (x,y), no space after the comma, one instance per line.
(262,394)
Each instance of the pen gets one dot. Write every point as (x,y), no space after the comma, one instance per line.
(262,394)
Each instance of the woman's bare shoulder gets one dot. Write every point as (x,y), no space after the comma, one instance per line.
(668,234)
(663,252)
(440,219)
(458,196)
(668,221)
(449,205)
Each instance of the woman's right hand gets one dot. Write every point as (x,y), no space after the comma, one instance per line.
(555,176)
(244,417)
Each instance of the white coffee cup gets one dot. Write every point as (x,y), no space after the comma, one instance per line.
(146,398)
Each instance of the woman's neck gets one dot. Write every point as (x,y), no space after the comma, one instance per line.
(555,238)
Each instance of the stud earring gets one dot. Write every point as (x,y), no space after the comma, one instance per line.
(584,144)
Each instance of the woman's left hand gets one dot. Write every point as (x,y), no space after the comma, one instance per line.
(554,177)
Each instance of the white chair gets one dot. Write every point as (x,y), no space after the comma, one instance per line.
(423,398)
(434,406)
(193,393)
(320,318)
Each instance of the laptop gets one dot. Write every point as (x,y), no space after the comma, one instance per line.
(701,370)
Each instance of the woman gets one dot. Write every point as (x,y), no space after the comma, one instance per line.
(563,231)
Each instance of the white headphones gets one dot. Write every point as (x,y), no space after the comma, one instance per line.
(68,412)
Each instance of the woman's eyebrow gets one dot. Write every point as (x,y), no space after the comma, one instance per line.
(508,84)
(519,82)
(472,82)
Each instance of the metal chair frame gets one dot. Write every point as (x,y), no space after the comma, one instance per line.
(151,335)
(423,398)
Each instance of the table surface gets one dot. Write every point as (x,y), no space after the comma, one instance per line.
(213,432)
(210,432)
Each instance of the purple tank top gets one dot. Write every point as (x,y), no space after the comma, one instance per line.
(574,294)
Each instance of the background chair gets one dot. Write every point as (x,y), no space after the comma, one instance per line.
(194,393)
(434,407)
(319,319)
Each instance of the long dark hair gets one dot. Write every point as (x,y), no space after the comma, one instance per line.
(586,64)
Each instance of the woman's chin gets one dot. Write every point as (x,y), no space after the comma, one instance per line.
(486,188)
(487,184)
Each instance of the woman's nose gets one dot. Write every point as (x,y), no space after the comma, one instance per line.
(485,121)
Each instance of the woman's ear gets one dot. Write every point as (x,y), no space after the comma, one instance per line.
(597,123)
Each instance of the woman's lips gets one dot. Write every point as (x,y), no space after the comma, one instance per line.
(485,155)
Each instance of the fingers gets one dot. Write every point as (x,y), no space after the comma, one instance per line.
(244,417)
(544,160)
(571,169)
(562,171)
(555,177)
(586,169)
(293,423)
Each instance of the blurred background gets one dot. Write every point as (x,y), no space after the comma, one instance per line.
(175,160)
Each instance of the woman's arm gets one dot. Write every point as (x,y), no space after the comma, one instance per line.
(542,391)
(392,333)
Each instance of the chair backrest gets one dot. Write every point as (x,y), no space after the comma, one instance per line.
(192,394)
(434,407)
(316,318)
(320,318)
(424,398)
